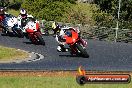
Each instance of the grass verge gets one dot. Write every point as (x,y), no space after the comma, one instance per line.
(48,80)
(8,54)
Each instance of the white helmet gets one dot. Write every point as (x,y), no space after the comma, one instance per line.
(23,11)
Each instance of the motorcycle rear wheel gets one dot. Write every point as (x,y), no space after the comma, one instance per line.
(4,32)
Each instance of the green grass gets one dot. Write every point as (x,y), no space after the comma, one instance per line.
(11,53)
(51,82)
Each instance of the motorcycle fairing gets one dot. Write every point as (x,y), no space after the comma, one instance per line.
(71,39)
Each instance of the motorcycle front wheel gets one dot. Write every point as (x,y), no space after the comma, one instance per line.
(20,33)
(40,38)
(81,50)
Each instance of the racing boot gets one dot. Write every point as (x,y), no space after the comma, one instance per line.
(61,48)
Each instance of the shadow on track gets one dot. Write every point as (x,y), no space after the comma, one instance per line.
(69,56)
(28,42)
(73,56)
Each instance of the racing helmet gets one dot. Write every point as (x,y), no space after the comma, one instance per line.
(23,13)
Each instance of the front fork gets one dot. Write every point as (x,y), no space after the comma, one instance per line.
(83,42)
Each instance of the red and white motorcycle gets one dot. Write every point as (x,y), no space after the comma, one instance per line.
(32,29)
(77,46)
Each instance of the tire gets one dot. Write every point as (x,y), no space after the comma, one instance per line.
(26,35)
(83,52)
(20,34)
(32,40)
(41,40)
(4,32)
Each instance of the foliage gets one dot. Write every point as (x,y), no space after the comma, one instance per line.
(104,19)
(4,3)
(82,13)
(111,7)
(47,9)
(61,10)
(15,4)
(66,11)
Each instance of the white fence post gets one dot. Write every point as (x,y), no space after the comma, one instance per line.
(117,25)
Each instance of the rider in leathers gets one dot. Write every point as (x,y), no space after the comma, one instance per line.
(23,19)
(59,38)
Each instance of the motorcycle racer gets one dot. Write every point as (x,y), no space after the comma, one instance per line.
(60,38)
(71,37)
(23,19)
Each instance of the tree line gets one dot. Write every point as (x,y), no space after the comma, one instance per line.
(101,12)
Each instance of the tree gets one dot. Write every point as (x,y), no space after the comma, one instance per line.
(47,9)
(4,3)
(111,7)
(82,13)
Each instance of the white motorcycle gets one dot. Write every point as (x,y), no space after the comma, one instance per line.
(10,26)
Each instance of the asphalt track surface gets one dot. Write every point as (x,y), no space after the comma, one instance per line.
(104,56)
